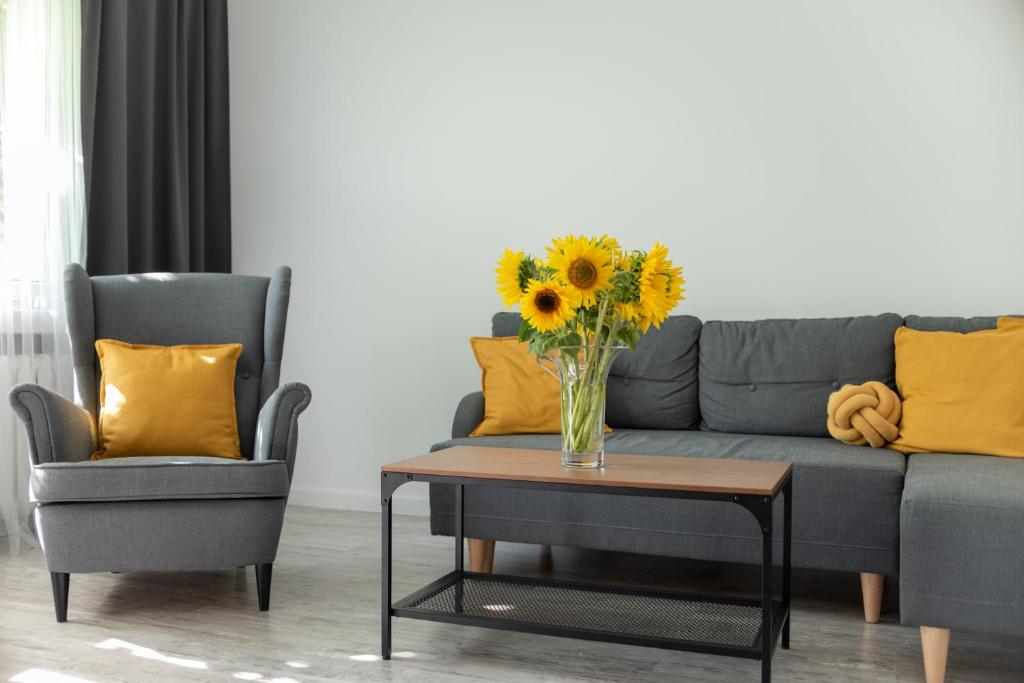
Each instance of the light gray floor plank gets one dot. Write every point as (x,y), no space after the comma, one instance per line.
(324,624)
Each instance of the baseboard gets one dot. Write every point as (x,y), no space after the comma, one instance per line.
(405,502)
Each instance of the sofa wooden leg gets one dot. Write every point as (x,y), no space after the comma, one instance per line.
(60,581)
(264,572)
(489,562)
(481,555)
(871,588)
(935,647)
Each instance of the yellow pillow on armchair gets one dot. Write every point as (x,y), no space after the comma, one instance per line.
(962,393)
(167,400)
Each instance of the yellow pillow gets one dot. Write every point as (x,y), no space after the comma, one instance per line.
(167,400)
(520,397)
(1009,323)
(961,392)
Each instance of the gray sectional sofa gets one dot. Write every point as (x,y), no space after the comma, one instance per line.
(948,525)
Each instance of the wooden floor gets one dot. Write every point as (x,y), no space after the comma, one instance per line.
(324,621)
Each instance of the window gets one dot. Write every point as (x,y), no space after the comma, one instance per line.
(41,196)
(3,53)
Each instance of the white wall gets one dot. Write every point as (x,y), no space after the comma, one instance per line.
(815,158)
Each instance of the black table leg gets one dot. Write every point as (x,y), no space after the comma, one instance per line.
(767,639)
(787,549)
(459,543)
(385,571)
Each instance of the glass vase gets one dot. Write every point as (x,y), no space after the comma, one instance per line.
(582,372)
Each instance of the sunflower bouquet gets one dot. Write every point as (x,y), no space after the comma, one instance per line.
(585,303)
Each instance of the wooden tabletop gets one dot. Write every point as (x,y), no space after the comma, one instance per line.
(663,472)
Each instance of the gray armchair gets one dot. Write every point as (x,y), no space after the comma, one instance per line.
(177,512)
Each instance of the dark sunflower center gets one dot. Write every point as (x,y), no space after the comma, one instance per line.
(582,273)
(547,301)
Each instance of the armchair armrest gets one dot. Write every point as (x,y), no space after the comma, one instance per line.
(277,427)
(58,430)
(468,415)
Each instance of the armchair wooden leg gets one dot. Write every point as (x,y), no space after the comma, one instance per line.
(935,648)
(481,555)
(263,574)
(871,588)
(60,581)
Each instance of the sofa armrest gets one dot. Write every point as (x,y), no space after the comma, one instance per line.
(468,415)
(277,428)
(58,430)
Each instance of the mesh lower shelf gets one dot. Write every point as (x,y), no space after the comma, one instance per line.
(537,602)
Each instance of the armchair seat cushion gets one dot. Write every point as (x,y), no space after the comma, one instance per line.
(158,478)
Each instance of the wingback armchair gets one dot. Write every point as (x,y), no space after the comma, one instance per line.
(175,512)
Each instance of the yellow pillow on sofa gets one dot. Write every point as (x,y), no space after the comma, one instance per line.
(1009,323)
(167,400)
(520,397)
(961,392)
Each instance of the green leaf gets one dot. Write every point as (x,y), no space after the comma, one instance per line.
(526,332)
(542,342)
(628,336)
(571,339)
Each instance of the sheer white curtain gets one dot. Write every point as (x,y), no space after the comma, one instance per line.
(41,225)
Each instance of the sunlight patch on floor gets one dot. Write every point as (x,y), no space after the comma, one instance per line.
(150,653)
(364,658)
(376,658)
(253,676)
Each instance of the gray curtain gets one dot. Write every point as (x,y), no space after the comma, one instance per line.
(156,135)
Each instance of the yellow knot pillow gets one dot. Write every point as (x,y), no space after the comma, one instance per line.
(167,400)
(866,413)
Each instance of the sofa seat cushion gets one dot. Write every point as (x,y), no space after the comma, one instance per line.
(158,478)
(775,376)
(846,503)
(961,559)
(653,387)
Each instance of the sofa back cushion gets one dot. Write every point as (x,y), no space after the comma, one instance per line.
(927,323)
(654,387)
(775,376)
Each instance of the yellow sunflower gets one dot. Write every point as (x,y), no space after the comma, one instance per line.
(583,264)
(613,246)
(547,305)
(509,284)
(661,287)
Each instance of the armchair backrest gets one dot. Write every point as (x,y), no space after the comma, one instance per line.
(191,308)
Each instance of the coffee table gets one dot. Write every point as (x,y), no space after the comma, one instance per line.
(718,624)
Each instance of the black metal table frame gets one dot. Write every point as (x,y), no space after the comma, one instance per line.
(762,508)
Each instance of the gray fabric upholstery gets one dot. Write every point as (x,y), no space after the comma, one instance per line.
(161,535)
(57,428)
(468,414)
(158,478)
(962,560)
(82,332)
(183,309)
(846,504)
(277,433)
(775,376)
(950,324)
(172,512)
(276,318)
(506,324)
(654,387)
(196,308)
